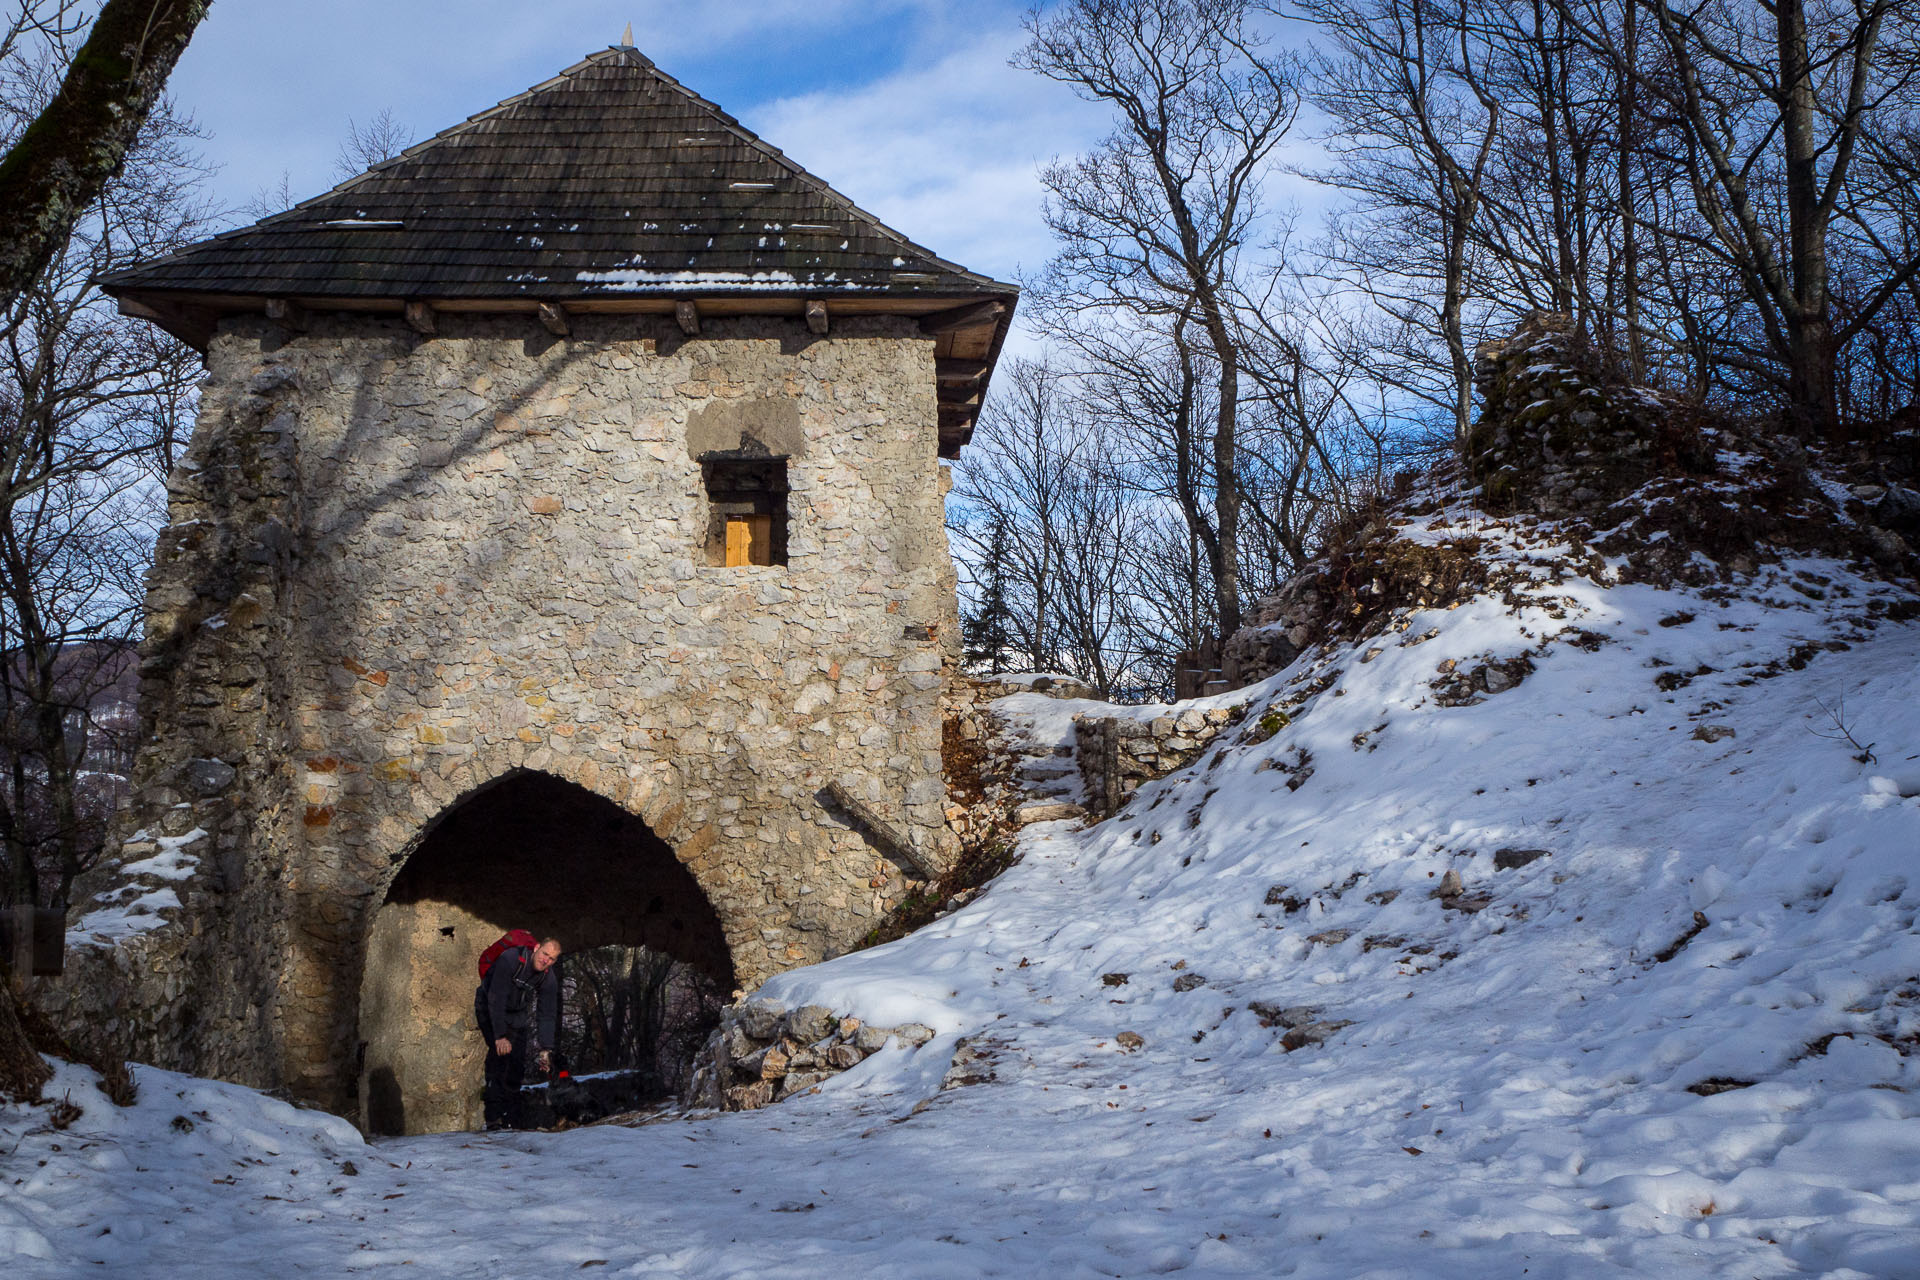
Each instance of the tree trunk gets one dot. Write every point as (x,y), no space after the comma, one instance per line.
(1186,486)
(24,884)
(1547,102)
(1809,324)
(61,784)
(1629,233)
(1452,305)
(1226,490)
(1813,399)
(63,160)
(22,1069)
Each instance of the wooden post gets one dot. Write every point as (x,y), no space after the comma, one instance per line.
(687,312)
(20,925)
(817,315)
(879,830)
(420,318)
(1110,769)
(34,939)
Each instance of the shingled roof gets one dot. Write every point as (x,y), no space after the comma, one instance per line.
(609,188)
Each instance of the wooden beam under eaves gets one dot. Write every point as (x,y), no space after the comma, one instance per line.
(817,316)
(962,373)
(288,314)
(974,313)
(192,325)
(687,312)
(420,318)
(554,317)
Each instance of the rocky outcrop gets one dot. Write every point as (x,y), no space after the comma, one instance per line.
(1366,575)
(1668,490)
(1556,437)
(1673,490)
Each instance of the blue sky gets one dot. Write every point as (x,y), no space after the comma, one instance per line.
(906,106)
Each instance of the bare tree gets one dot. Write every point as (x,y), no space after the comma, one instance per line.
(1771,106)
(1154,219)
(1050,521)
(276,197)
(1013,489)
(1142,382)
(634,1009)
(1317,437)
(56,167)
(1414,121)
(93,407)
(381,138)
(1216,399)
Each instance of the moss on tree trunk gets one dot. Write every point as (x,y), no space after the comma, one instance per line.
(75,146)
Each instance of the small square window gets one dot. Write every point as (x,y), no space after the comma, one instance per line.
(747,510)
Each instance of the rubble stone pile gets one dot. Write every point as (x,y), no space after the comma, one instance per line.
(762,1053)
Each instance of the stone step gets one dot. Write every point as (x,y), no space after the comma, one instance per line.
(1046,811)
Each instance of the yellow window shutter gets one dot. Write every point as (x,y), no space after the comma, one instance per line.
(749,539)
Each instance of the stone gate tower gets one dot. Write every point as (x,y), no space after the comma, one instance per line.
(560,546)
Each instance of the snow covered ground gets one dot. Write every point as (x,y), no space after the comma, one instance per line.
(1678,1042)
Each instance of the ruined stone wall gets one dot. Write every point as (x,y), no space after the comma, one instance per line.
(1115,754)
(399,568)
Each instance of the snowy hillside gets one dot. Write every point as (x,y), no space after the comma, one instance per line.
(1611,972)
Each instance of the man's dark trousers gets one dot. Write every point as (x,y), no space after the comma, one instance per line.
(504,1074)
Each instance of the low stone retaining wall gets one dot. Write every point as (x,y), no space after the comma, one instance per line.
(1117,753)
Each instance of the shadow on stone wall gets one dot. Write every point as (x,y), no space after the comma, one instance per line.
(386,1110)
(527,851)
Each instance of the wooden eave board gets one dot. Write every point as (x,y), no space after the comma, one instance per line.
(193,317)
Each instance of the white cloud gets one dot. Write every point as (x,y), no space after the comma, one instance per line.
(906,106)
(945,153)
(946,146)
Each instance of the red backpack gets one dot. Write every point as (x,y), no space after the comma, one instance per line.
(513,938)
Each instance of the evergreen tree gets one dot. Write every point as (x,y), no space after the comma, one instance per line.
(984,633)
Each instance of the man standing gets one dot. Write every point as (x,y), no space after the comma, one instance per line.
(521,980)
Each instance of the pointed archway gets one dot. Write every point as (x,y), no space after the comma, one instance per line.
(526,851)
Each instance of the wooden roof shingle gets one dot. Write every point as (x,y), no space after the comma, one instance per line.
(609,187)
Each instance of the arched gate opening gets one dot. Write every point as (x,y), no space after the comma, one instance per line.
(527,851)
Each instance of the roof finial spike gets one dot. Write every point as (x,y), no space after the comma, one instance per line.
(626,37)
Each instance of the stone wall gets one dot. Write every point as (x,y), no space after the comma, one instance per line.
(763,1053)
(1116,754)
(400,569)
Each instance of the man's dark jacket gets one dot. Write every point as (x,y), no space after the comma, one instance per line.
(511,989)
